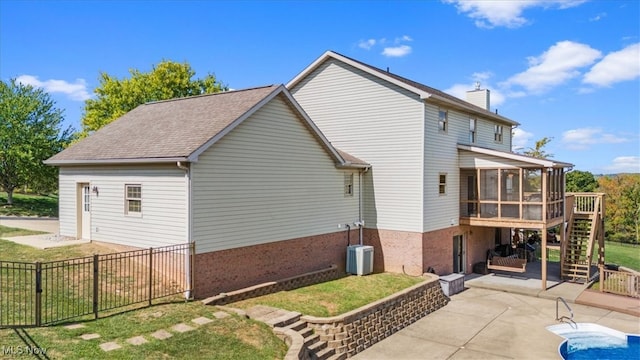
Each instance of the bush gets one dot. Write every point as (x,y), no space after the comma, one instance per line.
(625,238)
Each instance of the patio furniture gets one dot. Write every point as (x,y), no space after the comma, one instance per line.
(509,263)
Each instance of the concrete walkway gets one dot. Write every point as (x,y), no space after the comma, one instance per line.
(489,324)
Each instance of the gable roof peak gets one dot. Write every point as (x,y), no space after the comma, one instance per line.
(423,91)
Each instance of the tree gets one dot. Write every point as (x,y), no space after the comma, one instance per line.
(30,132)
(581,181)
(167,80)
(622,206)
(538,150)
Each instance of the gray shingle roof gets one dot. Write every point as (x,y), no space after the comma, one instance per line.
(412,85)
(180,129)
(165,129)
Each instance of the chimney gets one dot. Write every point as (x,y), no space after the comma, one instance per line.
(479,97)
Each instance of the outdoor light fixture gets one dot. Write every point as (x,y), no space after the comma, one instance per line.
(95,190)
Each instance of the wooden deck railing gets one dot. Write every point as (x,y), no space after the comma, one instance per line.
(620,282)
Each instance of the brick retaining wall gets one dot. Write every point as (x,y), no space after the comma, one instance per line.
(359,329)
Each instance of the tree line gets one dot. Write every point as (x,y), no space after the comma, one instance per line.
(622,202)
(622,206)
(31,126)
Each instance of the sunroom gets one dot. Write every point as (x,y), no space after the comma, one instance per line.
(507,190)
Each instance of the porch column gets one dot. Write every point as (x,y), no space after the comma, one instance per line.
(544,174)
(543,266)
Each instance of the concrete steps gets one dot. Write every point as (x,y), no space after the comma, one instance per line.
(314,346)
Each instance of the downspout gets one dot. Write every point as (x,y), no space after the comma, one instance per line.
(188,294)
(360,205)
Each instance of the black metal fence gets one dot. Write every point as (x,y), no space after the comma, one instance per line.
(44,293)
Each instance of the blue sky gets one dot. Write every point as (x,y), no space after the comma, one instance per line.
(569,70)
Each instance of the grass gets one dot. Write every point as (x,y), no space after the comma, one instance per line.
(335,297)
(232,337)
(229,338)
(615,253)
(29,205)
(626,255)
(6,232)
(10,251)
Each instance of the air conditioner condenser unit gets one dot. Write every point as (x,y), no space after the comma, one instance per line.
(359,259)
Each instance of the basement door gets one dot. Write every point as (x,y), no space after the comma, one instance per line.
(85,212)
(459,254)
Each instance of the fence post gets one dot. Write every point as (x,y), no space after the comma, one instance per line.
(96,284)
(150,275)
(601,278)
(38,293)
(192,257)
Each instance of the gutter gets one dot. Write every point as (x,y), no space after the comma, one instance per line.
(115,161)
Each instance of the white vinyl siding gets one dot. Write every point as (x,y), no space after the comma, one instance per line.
(163,221)
(268,180)
(441,157)
(379,123)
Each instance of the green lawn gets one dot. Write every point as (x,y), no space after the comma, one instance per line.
(29,205)
(6,232)
(335,297)
(622,254)
(10,251)
(233,337)
(615,253)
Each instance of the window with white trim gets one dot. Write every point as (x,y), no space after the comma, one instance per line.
(348,184)
(442,184)
(443,118)
(497,133)
(472,130)
(133,199)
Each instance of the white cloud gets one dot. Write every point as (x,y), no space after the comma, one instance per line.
(396,47)
(520,139)
(555,66)
(367,44)
(583,138)
(397,51)
(76,91)
(617,66)
(625,164)
(490,14)
(598,17)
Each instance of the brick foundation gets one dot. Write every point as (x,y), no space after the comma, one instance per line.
(395,251)
(227,270)
(414,253)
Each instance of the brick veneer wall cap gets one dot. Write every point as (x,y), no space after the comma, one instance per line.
(353,314)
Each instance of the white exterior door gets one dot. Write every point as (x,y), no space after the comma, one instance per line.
(85,213)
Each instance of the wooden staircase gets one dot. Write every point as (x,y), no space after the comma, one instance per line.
(585,230)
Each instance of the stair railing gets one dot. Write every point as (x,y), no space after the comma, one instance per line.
(563,318)
(569,210)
